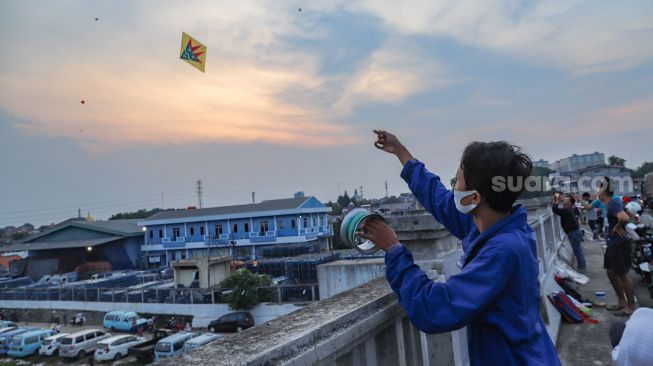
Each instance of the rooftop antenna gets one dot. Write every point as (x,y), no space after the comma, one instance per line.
(79,212)
(199,193)
(253,197)
(386,189)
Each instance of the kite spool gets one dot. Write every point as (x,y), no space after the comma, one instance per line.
(353,222)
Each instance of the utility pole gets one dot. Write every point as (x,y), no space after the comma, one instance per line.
(386,189)
(162,200)
(253,197)
(361,187)
(339,190)
(199,193)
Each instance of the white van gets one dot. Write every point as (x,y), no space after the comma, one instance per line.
(81,343)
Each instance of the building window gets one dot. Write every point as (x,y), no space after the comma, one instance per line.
(160,233)
(264,227)
(280,225)
(305,223)
(218,230)
(235,228)
(246,227)
(192,231)
(202,230)
(319,220)
(175,234)
(293,224)
(313,220)
(151,234)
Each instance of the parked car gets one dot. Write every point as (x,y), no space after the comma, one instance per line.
(5,338)
(81,343)
(201,340)
(116,347)
(232,322)
(125,321)
(171,345)
(28,343)
(7,323)
(7,329)
(50,345)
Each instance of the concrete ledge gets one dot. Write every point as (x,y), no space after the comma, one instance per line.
(297,338)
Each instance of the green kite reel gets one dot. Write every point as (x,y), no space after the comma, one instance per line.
(353,222)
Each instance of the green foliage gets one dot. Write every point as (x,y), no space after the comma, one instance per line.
(244,294)
(337,210)
(539,171)
(453,182)
(19,236)
(2,233)
(616,161)
(644,169)
(140,214)
(344,200)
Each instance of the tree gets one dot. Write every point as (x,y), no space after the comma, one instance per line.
(337,210)
(20,235)
(539,171)
(244,293)
(614,160)
(140,214)
(2,233)
(344,200)
(644,169)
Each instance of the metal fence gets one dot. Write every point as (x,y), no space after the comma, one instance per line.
(280,294)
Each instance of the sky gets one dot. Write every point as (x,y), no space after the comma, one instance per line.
(292,91)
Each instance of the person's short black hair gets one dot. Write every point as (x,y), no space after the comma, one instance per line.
(586,195)
(606,186)
(572,199)
(482,162)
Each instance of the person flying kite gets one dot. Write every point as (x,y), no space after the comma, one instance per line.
(193,52)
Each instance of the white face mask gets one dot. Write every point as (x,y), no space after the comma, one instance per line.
(457,198)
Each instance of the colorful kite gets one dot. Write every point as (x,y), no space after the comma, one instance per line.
(193,52)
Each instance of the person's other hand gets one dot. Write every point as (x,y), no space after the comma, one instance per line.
(379,233)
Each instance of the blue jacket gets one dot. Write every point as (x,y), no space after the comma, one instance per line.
(497,294)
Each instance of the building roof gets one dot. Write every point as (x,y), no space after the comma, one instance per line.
(114,227)
(49,245)
(249,209)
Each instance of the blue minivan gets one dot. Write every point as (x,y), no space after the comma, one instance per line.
(125,321)
(171,345)
(5,338)
(28,343)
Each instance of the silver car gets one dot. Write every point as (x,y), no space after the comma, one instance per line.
(81,343)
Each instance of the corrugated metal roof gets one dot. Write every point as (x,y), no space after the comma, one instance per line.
(48,245)
(116,227)
(269,205)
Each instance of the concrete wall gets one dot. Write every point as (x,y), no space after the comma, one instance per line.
(336,277)
(202,313)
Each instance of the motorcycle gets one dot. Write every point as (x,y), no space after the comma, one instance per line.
(78,319)
(642,256)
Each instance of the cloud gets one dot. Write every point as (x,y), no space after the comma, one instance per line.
(579,36)
(395,71)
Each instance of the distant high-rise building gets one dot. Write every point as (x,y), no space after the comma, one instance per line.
(577,162)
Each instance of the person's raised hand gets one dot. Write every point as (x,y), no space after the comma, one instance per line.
(390,143)
(379,233)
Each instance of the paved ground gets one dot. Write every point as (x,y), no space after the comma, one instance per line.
(588,344)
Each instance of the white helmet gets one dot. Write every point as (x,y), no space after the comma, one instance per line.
(633,208)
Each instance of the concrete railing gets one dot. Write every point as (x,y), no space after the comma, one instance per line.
(365,325)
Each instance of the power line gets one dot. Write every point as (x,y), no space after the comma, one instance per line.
(90,203)
(105,208)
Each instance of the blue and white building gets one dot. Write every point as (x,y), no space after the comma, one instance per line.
(245,229)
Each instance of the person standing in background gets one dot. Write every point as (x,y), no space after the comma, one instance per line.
(570,225)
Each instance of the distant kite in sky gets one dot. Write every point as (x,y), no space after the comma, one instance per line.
(193,52)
